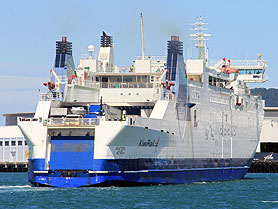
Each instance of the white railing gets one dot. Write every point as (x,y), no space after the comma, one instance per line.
(46,97)
(49,96)
(87,56)
(126,85)
(116,69)
(168,96)
(240,62)
(246,63)
(82,97)
(123,69)
(151,58)
(255,78)
(71,122)
(91,84)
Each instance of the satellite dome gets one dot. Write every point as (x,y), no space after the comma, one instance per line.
(80,67)
(91,48)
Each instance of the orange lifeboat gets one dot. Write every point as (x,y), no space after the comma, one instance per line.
(167,85)
(50,85)
(227,68)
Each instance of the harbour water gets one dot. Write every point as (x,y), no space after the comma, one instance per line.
(254,191)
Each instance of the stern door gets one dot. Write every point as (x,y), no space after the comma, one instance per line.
(71,153)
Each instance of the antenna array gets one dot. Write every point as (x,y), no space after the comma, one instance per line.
(199,36)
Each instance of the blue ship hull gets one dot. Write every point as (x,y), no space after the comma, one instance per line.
(144,174)
(72,167)
(140,178)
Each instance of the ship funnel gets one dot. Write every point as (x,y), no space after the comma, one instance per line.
(106,54)
(175,80)
(105,40)
(175,48)
(63,47)
(64,65)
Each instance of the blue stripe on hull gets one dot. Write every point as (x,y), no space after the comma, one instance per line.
(166,164)
(151,177)
(143,164)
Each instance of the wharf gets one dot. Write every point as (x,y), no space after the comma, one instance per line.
(264,162)
(13,167)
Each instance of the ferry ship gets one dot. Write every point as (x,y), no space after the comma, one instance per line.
(161,120)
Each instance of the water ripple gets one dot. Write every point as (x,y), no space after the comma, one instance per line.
(254,191)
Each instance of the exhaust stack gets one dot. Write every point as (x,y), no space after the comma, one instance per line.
(175,48)
(106,53)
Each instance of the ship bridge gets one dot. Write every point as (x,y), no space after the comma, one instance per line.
(249,71)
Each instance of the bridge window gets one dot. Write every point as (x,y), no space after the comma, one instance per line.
(251,71)
(104,79)
(115,79)
(210,80)
(145,78)
(129,79)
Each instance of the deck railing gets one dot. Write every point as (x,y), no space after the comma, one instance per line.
(168,96)
(247,63)
(116,69)
(49,96)
(46,97)
(240,63)
(153,58)
(71,122)
(88,56)
(126,85)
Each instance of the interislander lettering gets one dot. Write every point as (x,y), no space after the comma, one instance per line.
(148,143)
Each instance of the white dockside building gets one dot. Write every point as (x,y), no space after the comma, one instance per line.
(13,147)
(269,135)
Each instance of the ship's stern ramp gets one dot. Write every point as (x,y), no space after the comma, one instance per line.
(69,152)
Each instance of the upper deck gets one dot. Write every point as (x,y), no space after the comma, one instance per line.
(249,71)
(71,122)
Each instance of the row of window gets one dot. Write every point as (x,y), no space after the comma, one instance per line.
(13,143)
(138,78)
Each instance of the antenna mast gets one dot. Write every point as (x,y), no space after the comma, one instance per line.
(200,36)
(142,37)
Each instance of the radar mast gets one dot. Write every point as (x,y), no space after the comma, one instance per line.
(200,36)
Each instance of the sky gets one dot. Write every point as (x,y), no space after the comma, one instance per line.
(30,28)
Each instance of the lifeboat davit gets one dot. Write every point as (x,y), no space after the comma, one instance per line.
(50,85)
(167,85)
(227,68)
